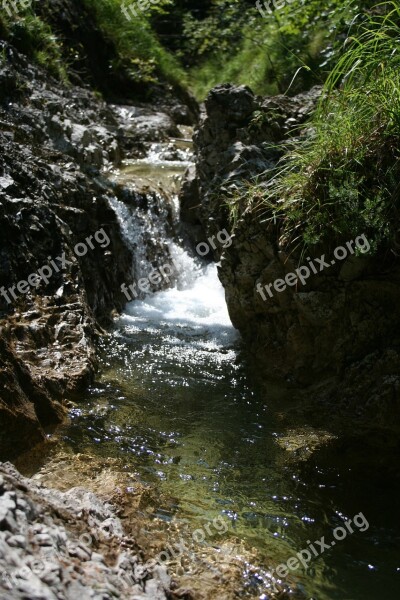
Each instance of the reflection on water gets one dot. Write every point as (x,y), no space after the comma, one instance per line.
(176,402)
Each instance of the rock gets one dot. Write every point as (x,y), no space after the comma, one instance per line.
(138,125)
(51,199)
(319,334)
(50,562)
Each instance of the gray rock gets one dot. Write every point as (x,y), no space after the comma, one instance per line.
(339,333)
(45,559)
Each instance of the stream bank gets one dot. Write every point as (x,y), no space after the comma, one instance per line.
(56,544)
(178,408)
(336,336)
(55,143)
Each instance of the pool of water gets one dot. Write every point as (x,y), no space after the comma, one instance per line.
(161,169)
(177,401)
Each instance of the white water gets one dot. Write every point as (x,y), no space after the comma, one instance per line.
(194,307)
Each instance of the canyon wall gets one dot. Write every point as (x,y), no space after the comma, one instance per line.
(339,332)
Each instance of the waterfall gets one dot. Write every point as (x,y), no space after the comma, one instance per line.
(194,301)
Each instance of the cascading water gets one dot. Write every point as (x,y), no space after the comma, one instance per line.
(150,223)
(195,305)
(191,309)
(176,403)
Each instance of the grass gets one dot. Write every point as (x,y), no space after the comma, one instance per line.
(138,48)
(342,180)
(139,53)
(33,37)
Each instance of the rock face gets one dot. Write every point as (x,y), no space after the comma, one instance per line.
(343,318)
(63,256)
(52,143)
(235,141)
(67,545)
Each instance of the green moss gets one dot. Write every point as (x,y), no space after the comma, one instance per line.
(33,37)
(138,48)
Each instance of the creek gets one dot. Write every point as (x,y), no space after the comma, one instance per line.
(178,402)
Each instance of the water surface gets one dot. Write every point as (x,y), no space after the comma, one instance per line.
(176,401)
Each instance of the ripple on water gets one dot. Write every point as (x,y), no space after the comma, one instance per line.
(175,402)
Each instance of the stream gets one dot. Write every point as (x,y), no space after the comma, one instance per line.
(177,401)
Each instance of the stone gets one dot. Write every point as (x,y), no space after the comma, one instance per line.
(34,564)
(318,334)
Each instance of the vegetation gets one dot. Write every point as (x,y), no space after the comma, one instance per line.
(229,40)
(34,37)
(333,184)
(292,48)
(137,45)
(138,51)
(200,46)
(343,180)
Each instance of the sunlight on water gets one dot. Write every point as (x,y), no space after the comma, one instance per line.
(177,402)
(198,309)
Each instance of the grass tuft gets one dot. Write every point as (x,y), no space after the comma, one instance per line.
(342,179)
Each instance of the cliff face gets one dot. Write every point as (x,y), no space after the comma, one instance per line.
(340,330)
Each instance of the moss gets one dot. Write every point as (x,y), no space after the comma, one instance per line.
(33,37)
(138,50)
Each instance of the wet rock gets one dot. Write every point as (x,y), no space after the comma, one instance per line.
(189,206)
(139,125)
(48,204)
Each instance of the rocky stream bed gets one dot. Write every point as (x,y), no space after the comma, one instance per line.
(69,529)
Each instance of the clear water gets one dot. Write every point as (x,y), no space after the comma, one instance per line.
(178,401)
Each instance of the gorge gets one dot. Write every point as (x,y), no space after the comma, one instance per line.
(147,391)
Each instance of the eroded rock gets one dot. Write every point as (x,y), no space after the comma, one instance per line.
(62,544)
